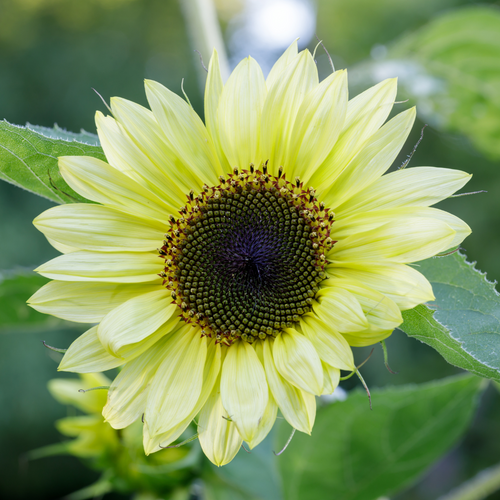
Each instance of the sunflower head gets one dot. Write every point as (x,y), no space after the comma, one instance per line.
(230,265)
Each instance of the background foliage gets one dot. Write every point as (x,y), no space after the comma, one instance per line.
(445,52)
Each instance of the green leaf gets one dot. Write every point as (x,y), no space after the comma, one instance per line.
(463,324)
(455,73)
(358,454)
(15,289)
(28,158)
(59,133)
(240,474)
(214,488)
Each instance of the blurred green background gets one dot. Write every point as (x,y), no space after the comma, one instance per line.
(53,52)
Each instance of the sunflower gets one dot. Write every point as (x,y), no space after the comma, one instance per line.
(230,266)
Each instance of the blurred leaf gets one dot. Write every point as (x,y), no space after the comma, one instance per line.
(239,475)
(351,29)
(28,159)
(463,324)
(15,289)
(458,82)
(96,490)
(214,488)
(358,454)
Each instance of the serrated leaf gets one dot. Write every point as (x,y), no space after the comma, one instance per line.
(15,289)
(463,324)
(57,132)
(456,74)
(28,159)
(358,454)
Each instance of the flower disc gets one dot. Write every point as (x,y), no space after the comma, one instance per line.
(246,257)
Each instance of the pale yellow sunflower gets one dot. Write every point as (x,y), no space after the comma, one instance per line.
(231,265)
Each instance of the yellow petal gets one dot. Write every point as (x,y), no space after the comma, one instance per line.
(85,302)
(381,312)
(377,155)
(282,104)
(297,361)
(402,284)
(398,241)
(184,132)
(319,121)
(178,382)
(98,181)
(154,443)
(297,406)
(86,355)
(128,392)
(331,378)
(213,91)
(366,337)
(418,186)
(266,424)
(101,229)
(60,247)
(365,115)
(271,410)
(244,388)
(329,344)
(366,221)
(126,156)
(340,309)
(218,435)
(123,267)
(163,171)
(280,65)
(135,320)
(239,114)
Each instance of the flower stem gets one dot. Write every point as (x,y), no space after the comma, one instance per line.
(205,34)
(477,488)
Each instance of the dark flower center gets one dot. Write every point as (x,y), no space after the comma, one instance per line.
(245,257)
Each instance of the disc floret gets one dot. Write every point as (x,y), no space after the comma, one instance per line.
(244,258)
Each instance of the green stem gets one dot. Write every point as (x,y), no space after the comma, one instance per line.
(205,34)
(477,488)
